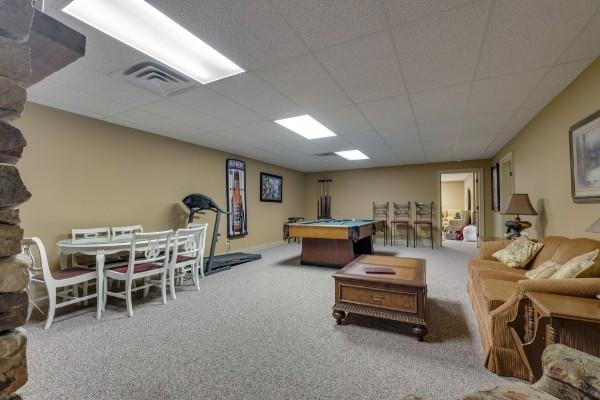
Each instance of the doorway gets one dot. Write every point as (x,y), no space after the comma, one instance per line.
(460,206)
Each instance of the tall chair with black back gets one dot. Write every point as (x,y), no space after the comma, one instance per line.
(401,218)
(381,211)
(423,218)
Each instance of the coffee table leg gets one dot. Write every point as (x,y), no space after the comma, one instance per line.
(339,316)
(420,331)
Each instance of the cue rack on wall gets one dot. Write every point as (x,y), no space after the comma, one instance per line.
(324,202)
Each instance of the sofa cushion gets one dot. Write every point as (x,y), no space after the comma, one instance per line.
(489,265)
(576,266)
(519,252)
(494,292)
(544,271)
(551,245)
(509,391)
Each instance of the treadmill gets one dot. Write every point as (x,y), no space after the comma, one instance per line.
(198,204)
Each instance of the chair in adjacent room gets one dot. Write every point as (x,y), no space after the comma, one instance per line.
(187,256)
(155,250)
(401,218)
(52,281)
(381,211)
(423,218)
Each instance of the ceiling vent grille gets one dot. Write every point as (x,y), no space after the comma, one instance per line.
(324,154)
(155,77)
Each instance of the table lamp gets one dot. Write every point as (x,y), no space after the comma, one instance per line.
(518,204)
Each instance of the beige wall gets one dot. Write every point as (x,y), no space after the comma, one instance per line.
(541,164)
(86,173)
(453,195)
(354,191)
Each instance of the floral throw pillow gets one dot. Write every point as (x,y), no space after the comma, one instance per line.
(518,253)
(576,266)
(544,271)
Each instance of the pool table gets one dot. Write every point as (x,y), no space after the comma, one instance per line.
(333,242)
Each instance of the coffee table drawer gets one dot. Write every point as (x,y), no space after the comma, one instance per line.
(394,300)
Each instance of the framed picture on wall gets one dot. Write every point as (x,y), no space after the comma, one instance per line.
(584,143)
(271,188)
(237,222)
(496,187)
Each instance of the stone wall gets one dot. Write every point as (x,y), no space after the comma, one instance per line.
(16,17)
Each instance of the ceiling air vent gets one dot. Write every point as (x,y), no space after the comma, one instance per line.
(155,77)
(324,154)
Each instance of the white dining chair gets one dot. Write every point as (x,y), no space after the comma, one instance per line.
(187,256)
(155,248)
(53,280)
(125,231)
(82,235)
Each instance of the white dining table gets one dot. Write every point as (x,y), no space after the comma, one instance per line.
(99,247)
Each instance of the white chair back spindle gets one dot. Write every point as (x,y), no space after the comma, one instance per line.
(152,248)
(188,255)
(90,234)
(125,231)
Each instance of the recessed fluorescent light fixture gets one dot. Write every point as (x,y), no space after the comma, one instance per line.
(307,126)
(352,155)
(146,29)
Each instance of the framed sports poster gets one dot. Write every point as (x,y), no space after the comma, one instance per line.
(584,139)
(237,224)
(271,188)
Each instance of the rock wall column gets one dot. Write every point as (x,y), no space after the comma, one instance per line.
(16,17)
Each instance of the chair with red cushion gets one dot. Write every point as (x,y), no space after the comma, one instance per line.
(187,256)
(423,218)
(402,218)
(381,213)
(154,249)
(41,275)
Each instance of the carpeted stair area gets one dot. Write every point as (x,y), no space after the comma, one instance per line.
(264,330)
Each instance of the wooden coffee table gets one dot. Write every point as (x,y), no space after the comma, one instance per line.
(400,297)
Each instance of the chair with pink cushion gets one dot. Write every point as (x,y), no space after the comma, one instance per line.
(148,256)
(53,280)
(423,219)
(401,219)
(187,256)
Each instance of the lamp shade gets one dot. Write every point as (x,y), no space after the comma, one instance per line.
(519,204)
(595,227)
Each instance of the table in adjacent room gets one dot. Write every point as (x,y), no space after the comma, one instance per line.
(333,243)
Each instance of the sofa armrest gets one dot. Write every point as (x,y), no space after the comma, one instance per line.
(577,287)
(569,373)
(486,249)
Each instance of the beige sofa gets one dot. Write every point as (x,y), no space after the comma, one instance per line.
(495,290)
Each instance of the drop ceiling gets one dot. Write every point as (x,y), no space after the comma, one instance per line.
(404,81)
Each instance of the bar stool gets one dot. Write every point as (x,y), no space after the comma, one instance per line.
(423,217)
(401,217)
(381,212)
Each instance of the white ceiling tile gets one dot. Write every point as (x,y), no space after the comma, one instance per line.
(306,82)
(403,135)
(410,154)
(587,44)
(251,33)
(34,98)
(253,93)
(529,34)
(439,151)
(365,140)
(174,111)
(325,23)
(366,68)
(485,124)
(388,113)
(440,104)
(521,118)
(335,143)
(308,147)
(344,120)
(403,11)
(217,106)
(473,144)
(444,132)
(499,142)
(48,91)
(559,77)
(442,49)
(273,133)
(148,122)
(504,93)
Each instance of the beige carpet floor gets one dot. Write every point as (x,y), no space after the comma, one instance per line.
(263,331)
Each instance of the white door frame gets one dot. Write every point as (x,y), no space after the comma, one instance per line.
(480,201)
